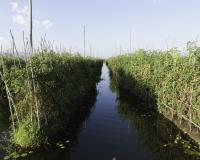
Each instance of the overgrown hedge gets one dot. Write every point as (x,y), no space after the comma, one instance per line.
(45,91)
(165,79)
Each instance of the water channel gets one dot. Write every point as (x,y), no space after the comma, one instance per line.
(118,127)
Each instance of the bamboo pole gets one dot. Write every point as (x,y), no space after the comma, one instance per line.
(9,95)
(90,50)
(84,41)
(190,114)
(10,98)
(130,40)
(34,91)
(10,107)
(184,117)
(31,27)
(13,52)
(5,82)
(31,52)
(14,47)
(115,48)
(29,86)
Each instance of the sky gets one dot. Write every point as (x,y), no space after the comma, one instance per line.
(109,24)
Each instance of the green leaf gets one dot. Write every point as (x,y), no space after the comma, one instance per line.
(24,155)
(67,141)
(7,157)
(16,156)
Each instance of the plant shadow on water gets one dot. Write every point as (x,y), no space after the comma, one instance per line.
(60,147)
(4,122)
(4,115)
(155,132)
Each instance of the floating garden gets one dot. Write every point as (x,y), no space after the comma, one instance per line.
(166,79)
(44,91)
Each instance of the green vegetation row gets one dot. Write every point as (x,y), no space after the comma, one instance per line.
(165,78)
(44,91)
(66,139)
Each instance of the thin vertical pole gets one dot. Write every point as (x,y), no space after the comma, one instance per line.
(120,48)
(31,40)
(31,52)
(167,45)
(130,40)
(115,47)
(84,41)
(90,50)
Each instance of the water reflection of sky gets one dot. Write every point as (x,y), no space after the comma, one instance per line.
(107,135)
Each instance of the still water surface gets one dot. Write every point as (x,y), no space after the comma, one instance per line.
(107,135)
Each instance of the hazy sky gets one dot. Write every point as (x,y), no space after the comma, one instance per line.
(107,21)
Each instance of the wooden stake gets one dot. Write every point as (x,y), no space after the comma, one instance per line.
(84,41)
(31,52)
(130,40)
(30,9)
(90,50)
(115,48)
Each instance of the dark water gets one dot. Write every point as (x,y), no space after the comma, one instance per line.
(118,125)
(4,123)
(107,135)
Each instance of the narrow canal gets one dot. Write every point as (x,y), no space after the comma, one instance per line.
(107,135)
(124,127)
(118,125)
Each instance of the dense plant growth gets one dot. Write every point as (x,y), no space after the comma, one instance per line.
(44,91)
(166,79)
(155,132)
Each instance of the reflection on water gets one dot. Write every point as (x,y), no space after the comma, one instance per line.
(4,115)
(4,122)
(155,133)
(108,135)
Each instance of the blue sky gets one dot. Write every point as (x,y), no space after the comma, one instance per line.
(107,22)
